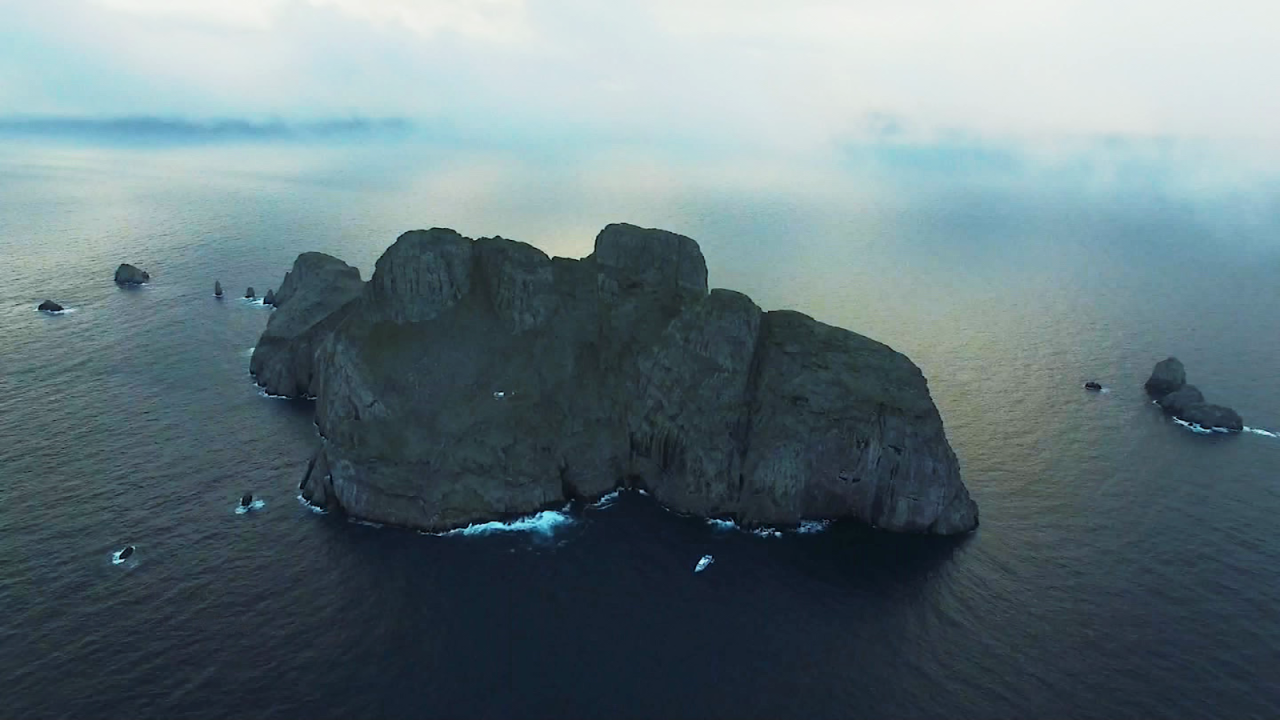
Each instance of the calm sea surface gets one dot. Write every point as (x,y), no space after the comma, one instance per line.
(1125,567)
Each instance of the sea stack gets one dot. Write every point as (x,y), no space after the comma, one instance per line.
(1168,384)
(217,288)
(249,294)
(246,500)
(127,274)
(269,298)
(50,306)
(631,373)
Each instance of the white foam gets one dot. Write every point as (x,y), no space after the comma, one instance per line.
(313,508)
(767,532)
(1201,430)
(808,527)
(1105,390)
(366,523)
(704,562)
(249,352)
(1260,431)
(723,525)
(255,505)
(642,491)
(117,560)
(262,392)
(543,523)
(606,500)
(63,311)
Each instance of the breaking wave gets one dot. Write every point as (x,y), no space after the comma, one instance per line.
(543,523)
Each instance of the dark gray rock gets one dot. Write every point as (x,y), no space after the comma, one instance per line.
(127,274)
(1168,375)
(127,552)
(1176,402)
(249,294)
(246,500)
(217,288)
(50,306)
(1212,416)
(1093,385)
(306,311)
(269,298)
(473,380)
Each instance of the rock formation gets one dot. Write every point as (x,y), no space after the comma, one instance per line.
(1093,385)
(217,288)
(1176,402)
(250,294)
(127,274)
(1168,375)
(1168,384)
(313,291)
(476,379)
(50,306)
(269,298)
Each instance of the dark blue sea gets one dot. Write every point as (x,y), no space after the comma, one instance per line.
(1125,566)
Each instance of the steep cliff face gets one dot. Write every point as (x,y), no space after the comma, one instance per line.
(307,309)
(471,380)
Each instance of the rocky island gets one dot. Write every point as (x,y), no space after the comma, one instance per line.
(1168,385)
(471,380)
(127,274)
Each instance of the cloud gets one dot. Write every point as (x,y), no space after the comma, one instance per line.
(161,129)
(794,74)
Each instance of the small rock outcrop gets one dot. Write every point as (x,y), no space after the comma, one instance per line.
(250,294)
(246,500)
(269,298)
(1168,384)
(1093,385)
(127,274)
(1168,375)
(470,380)
(217,288)
(50,306)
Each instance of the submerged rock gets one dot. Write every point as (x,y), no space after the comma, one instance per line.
(617,369)
(1168,375)
(50,306)
(217,288)
(127,274)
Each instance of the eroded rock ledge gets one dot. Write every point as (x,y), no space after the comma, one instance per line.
(470,380)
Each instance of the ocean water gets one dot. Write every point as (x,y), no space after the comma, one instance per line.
(1125,566)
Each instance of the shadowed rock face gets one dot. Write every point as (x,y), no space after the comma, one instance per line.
(472,380)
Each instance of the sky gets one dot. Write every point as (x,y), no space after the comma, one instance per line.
(785,73)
